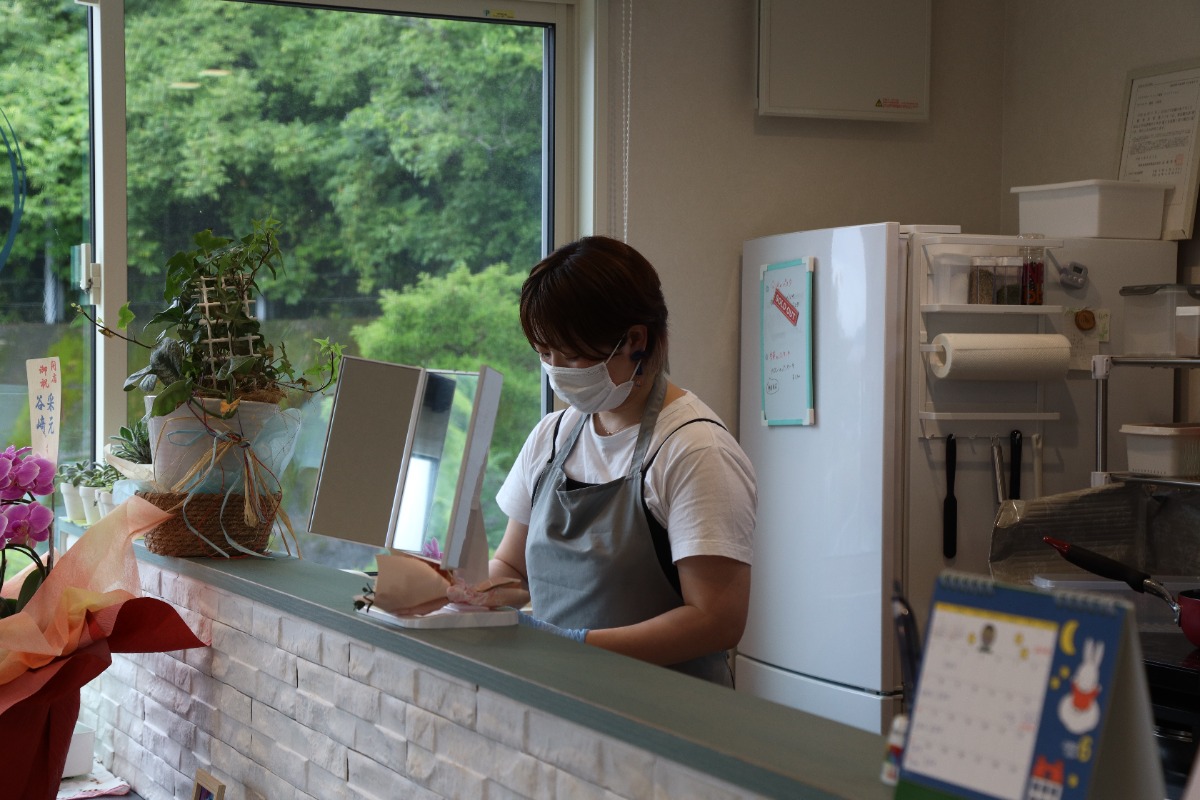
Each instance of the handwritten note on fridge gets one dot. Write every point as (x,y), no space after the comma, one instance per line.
(786,336)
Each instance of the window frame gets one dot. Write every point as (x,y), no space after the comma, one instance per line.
(576,69)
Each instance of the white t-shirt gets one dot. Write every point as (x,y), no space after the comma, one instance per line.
(701,486)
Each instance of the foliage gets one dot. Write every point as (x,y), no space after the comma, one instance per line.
(89,473)
(132,442)
(23,520)
(459,321)
(49,114)
(389,143)
(74,472)
(212,345)
(395,147)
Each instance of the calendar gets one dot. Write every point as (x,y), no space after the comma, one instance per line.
(1020,689)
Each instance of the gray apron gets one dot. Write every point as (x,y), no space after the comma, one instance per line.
(590,556)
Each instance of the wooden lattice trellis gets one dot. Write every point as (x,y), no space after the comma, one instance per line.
(214,300)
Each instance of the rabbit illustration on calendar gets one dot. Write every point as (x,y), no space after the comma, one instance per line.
(1078,710)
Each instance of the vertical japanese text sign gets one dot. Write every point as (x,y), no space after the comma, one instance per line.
(45,405)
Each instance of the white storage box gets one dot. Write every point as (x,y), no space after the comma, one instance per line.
(1169,449)
(1161,319)
(1095,208)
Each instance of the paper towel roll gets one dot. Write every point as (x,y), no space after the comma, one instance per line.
(1000,356)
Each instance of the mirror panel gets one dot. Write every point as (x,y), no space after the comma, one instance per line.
(366,450)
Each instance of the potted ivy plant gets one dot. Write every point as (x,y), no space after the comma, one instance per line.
(217,429)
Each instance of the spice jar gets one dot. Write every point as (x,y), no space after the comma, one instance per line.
(981,285)
(1008,280)
(1033,269)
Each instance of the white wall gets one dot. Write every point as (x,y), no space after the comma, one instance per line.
(1065,71)
(706,172)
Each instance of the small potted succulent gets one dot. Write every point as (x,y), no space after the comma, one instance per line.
(95,484)
(70,476)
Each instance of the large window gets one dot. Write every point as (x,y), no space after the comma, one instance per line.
(45,210)
(407,155)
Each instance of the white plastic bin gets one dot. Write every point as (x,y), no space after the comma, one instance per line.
(1168,449)
(1094,208)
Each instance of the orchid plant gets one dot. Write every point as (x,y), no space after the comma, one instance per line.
(24,522)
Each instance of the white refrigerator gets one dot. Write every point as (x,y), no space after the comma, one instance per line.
(853,502)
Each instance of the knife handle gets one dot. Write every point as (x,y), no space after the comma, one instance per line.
(1014,467)
(951,459)
(1100,565)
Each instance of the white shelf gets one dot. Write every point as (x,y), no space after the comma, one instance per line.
(959,239)
(989,308)
(1100,372)
(985,416)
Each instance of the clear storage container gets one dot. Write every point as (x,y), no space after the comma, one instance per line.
(1008,280)
(1160,319)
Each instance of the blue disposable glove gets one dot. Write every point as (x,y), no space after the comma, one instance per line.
(574,634)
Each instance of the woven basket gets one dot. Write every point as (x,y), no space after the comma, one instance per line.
(174,538)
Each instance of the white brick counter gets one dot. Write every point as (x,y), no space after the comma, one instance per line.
(297,698)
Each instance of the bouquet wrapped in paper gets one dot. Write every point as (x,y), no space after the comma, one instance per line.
(88,607)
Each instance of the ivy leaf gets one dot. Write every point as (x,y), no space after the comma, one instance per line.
(124,317)
(172,397)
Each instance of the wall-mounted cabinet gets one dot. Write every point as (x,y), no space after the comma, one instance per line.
(850,59)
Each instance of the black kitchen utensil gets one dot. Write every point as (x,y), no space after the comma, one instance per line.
(909,641)
(1014,466)
(950,504)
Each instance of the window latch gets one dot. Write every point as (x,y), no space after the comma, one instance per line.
(87,273)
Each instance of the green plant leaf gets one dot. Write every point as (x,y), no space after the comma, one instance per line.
(172,397)
(32,581)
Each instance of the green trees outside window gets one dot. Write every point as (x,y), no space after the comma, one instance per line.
(403,155)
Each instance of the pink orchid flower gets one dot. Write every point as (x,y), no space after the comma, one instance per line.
(27,522)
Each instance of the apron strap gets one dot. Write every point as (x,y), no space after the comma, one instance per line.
(554,452)
(649,419)
(658,532)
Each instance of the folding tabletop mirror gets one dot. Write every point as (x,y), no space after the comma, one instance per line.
(404,462)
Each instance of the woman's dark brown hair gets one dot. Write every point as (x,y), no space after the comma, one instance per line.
(584,297)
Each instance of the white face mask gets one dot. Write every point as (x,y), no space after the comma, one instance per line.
(589,389)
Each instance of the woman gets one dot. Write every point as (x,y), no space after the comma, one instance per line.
(631,511)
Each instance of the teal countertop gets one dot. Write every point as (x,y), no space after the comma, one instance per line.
(754,744)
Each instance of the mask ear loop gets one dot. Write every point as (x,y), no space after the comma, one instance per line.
(638,355)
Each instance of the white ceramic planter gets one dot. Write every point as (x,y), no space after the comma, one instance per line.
(104,499)
(91,510)
(72,503)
